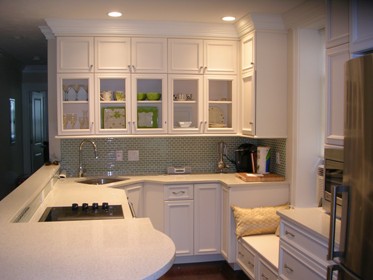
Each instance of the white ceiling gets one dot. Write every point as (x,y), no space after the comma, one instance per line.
(21,37)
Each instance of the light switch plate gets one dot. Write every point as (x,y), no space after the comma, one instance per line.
(133,155)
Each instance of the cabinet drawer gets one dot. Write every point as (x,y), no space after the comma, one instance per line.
(178,192)
(304,241)
(293,269)
(246,259)
(265,273)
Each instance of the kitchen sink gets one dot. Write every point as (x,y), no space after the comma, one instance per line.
(102,180)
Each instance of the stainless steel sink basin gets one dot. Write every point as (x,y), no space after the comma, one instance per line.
(102,181)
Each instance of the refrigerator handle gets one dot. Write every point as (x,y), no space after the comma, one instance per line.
(333,216)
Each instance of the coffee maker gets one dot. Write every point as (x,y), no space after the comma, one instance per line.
(245,158)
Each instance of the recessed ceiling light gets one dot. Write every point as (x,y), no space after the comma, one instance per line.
(229,18)
(114,14)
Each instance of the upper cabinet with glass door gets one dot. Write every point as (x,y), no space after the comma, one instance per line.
(193,56)
(220,107)
(186,103)
(149,104)
(74,111)
(112,99)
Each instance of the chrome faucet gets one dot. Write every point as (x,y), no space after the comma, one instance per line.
(81,170)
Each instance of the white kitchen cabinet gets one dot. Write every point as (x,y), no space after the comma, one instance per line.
(193,56)
(153,206)
(247,196)
(220,112)
(75,104)
(132,55)
(258,256)
(264,84)
(185,102)
(192,218)
(113,54)
(335,61)
(112,114)
(135,198)
(149,55)
(206,219)
(148,116)
(361,33)
(337,22)
(302,252)
(179,217)
(75,54)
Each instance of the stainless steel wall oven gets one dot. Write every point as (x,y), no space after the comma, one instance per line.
(333,165)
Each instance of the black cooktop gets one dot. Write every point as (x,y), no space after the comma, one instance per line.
(82,212)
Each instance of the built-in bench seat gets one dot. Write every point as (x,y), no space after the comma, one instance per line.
(258,256)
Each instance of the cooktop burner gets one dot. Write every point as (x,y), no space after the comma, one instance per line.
(83,212)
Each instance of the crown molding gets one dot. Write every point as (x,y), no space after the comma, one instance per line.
(47,32)
(310,14)
(60,27)
(260,22)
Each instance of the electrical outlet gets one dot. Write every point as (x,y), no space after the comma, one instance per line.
(278,159)
(133,155)
(119,155)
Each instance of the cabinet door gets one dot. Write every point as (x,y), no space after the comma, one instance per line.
(335,60)
(149,114)
(185,103)
(226,243)
(220,57)
(361,34)
(154,204)
(337,23)
(247,53)
(135,197)
(75,104)
(220,106)
(248,104)
(185,56)
(149,55)
(179,225)
(206,219)
(75,54)
(112,100)
(112,54)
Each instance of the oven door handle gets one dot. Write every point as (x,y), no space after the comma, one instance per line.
(333,217)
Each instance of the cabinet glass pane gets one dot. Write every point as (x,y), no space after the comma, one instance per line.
(185,103)
(220,104)
(112,103)
(149,103)
(75,104)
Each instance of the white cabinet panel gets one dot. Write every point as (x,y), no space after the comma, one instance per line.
(337,22)
(135,197)
(220,57)
(207,219)
(112,54)
(179,225)
(361,33)
(75,54)
(149,55)
(335,60)
(185,56)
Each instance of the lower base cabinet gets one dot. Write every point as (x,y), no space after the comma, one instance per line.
(192,218)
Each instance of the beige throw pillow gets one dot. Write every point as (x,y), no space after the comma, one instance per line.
(261,220)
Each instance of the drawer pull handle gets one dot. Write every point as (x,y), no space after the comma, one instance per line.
(264,277)
(288,269)
(289,234)
(250,263)
(178,193)
(240,254)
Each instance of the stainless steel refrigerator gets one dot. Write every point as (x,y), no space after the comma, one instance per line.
(353,258)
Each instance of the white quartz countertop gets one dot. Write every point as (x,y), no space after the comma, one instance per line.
(103,249)
(314,219)
(96,249)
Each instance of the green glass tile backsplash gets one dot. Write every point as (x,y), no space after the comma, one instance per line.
(158,153)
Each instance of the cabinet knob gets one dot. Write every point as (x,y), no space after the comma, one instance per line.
(133,68)
(129,68)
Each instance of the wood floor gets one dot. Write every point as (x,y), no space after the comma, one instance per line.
(205,271)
